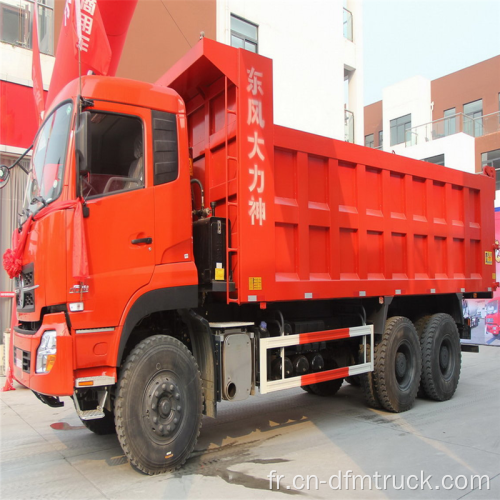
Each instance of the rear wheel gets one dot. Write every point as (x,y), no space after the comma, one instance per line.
(398,365)
(368,382)
(420,326)
(441,357)
(158,405)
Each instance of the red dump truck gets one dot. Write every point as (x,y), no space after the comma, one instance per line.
(177,249)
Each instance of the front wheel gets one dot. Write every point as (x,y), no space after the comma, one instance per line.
(158,405)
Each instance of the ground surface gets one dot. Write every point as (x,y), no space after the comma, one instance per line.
(47,453)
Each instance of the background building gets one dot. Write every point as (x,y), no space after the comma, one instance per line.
(452,121)
(316,47)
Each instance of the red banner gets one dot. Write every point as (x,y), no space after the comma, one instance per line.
(36,71)
(114,17)
(89,35)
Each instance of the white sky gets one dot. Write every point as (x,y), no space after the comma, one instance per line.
(431,38)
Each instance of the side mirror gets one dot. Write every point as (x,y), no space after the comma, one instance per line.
(82,146)
(4,175)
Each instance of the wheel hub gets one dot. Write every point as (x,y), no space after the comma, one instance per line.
(444,357)
(163,406)
(401,365)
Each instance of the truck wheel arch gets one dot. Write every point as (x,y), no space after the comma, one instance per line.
(162,299)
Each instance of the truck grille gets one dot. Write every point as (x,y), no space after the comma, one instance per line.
(28,278)
(25,289)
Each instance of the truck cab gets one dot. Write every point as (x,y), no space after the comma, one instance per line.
(131,175)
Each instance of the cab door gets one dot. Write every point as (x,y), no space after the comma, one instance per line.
(119,228)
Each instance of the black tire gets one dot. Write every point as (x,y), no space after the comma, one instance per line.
(441,357)
(420,326)
(307,388)
(158,405)
(368,383)
(354,380)
(328,388)
(398,365)
(102,426)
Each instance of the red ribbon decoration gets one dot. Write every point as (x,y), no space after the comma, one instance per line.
(13,259)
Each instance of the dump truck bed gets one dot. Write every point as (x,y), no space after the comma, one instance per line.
(316,218)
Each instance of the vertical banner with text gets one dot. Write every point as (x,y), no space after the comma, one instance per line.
(256,184)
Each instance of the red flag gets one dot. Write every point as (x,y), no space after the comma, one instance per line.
(36,71)
(89,35)
(116,16)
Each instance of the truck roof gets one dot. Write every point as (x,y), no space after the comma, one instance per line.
(125,91)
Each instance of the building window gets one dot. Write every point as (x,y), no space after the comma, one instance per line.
(400,129)
(16,24)
(473,121)
(348,126)
(492,159)
(348,24)
(437,160)
(369,141)
(381,139)
(244,34)
(449,122)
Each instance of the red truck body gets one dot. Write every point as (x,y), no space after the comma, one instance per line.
(319,260)
(338,220)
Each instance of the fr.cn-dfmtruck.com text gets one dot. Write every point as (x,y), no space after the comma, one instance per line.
(349,481)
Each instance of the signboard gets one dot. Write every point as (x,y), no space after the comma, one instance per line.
(484,314)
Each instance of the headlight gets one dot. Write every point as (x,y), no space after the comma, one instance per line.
(46,354)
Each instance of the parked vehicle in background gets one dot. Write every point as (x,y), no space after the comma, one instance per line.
(492,317)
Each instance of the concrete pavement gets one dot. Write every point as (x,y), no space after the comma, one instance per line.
(48,453)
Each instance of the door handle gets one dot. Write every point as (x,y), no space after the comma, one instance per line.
(146,241)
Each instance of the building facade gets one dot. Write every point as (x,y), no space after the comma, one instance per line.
(316,47)
(452,121)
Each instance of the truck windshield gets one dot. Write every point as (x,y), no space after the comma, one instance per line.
(49,156)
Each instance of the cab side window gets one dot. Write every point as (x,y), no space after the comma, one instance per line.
(116,157)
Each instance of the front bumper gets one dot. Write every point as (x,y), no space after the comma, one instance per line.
(60,380)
